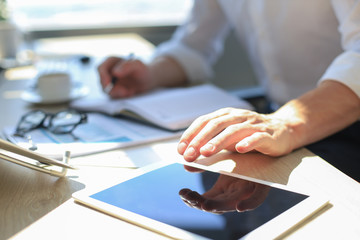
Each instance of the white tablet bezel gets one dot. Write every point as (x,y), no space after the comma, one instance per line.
(284,223)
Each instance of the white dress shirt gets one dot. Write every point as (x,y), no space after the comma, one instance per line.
(292,44)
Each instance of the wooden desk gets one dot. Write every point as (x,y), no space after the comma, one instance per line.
(34,205)
(300,171)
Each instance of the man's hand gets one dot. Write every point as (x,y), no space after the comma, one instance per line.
(132,76)
(129,76)
(235,130)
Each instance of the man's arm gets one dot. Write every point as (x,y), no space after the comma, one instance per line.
(329,108)
(317,114)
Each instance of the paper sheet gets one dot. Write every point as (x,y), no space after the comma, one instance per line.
(101,133)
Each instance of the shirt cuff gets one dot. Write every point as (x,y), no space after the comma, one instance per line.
(345,69)
(193,64)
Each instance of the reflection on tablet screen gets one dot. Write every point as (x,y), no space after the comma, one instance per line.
(173,196)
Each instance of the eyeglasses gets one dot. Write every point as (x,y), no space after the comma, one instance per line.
(59,123)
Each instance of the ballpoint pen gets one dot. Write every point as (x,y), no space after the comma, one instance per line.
(110,86)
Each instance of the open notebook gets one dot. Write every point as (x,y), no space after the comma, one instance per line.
(171,108)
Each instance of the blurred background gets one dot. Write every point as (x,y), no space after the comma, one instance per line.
(153,20)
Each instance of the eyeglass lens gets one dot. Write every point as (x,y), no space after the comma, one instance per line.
(65,121)
(61,122)
(31,121)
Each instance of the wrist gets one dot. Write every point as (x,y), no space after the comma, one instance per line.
(166,72)
(294,123)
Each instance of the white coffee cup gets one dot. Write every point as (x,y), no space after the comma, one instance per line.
(54,87)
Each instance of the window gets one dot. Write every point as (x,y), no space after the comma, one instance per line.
(85,14)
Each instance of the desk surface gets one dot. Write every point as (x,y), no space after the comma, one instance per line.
(34,205)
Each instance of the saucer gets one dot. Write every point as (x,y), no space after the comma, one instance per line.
(31,95)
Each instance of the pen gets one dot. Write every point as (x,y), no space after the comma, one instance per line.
(110,86)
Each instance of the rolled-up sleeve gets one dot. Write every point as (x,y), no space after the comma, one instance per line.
(197,44)
(346,67)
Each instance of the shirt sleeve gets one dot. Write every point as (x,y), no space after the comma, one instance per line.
(346,67)
(197,44)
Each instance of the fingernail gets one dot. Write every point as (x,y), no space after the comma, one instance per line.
(208,147)
(190,152)
(182,147)
(243,143)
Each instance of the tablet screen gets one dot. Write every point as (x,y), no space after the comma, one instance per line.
(155,195)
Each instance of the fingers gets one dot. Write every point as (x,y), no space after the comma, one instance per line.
(124,73)
(123,78)
(264,142)
(227,138)
(191,132)
(126,67)
(251,142)
(104,70)
(201,131)
(214,132)
(235,130)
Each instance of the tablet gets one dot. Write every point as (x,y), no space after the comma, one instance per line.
(151,200)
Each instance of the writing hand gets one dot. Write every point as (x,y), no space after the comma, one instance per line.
(131,76)
(235,130)
(228,194)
